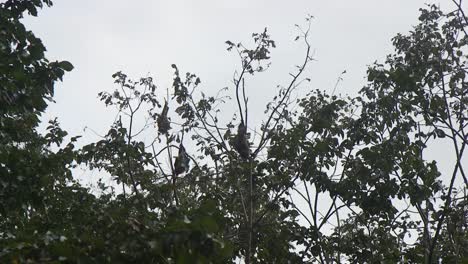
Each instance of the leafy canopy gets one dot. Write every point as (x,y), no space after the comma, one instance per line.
(323,179)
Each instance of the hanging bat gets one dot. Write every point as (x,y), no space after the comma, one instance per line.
(181,163)
(241,143)
(163,121)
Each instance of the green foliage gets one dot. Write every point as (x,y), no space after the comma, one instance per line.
(324,179)
(28,168)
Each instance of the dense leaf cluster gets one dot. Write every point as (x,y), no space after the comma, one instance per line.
(324,179)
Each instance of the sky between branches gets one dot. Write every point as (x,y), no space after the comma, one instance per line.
(144,37)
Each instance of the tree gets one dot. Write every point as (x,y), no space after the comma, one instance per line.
(27,81)
(204,191)
(48,217)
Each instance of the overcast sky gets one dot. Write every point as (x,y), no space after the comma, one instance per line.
(143,38)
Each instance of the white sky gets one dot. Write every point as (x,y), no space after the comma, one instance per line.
(143,38)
